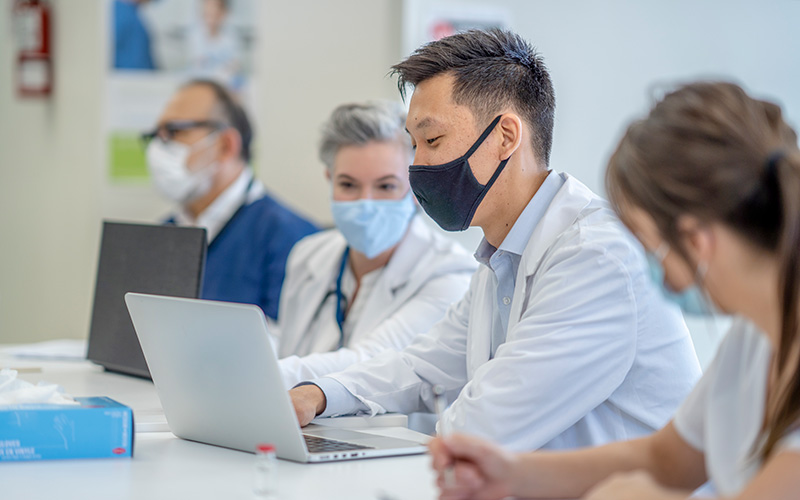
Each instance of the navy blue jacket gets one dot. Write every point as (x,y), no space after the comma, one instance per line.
(246,262)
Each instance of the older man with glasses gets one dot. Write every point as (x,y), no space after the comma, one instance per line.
(198,157)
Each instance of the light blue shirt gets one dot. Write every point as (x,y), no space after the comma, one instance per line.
(504,263)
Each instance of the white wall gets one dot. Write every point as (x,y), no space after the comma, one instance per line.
(315,56)
(604,56)
(50,183)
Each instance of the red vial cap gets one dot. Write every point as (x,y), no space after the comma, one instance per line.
(265,448)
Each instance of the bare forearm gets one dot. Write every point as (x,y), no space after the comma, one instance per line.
(664,455)
(571,474)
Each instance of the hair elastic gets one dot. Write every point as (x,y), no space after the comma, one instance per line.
(772,162)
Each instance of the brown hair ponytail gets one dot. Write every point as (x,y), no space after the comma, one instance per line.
(711,151)
(783,404)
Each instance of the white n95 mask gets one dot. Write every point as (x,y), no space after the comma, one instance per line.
(167,163)
(373,226)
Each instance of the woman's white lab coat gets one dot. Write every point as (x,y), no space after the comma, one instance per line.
(592,352)
(426,273)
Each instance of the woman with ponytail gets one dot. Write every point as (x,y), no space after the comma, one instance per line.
(709,183)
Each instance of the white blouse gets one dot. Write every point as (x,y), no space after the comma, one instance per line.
(723,415)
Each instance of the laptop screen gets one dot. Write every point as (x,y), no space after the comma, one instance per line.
(164,260)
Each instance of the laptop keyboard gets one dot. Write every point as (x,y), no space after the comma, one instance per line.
(317,444)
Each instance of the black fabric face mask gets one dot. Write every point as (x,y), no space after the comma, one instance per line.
(450,193)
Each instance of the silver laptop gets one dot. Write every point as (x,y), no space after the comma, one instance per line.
(218,379)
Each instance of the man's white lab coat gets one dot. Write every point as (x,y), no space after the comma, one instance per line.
(593,352)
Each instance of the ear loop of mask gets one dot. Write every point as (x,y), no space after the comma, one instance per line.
(205,142)
(203,145)
(712,330)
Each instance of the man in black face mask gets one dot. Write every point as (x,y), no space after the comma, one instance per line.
(561,340)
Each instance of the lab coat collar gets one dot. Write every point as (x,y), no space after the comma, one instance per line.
(518,237)
(567,206)
(321,264)
(564,210)
(413,245)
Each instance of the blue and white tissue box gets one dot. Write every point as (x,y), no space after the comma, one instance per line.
(98,427)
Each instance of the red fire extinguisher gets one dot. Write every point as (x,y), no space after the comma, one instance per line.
(31,20)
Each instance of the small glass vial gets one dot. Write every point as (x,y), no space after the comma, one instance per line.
(266,473)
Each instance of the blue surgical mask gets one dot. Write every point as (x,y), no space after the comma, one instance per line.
(373,226)
(692,300)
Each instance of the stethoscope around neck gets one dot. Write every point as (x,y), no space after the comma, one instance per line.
(341,299)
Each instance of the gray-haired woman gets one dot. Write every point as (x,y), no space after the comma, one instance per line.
(382,275)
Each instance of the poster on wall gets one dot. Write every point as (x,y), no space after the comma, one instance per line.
(425,20)
(154,47)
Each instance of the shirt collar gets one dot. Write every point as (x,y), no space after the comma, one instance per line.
(517,239)
(220,211)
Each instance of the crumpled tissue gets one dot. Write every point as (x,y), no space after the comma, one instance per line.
(14,391)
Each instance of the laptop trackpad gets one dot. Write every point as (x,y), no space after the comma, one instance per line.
(362,438)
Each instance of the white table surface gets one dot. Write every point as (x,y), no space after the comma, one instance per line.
(164,466)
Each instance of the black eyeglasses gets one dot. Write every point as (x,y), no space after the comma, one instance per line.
(166,131)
